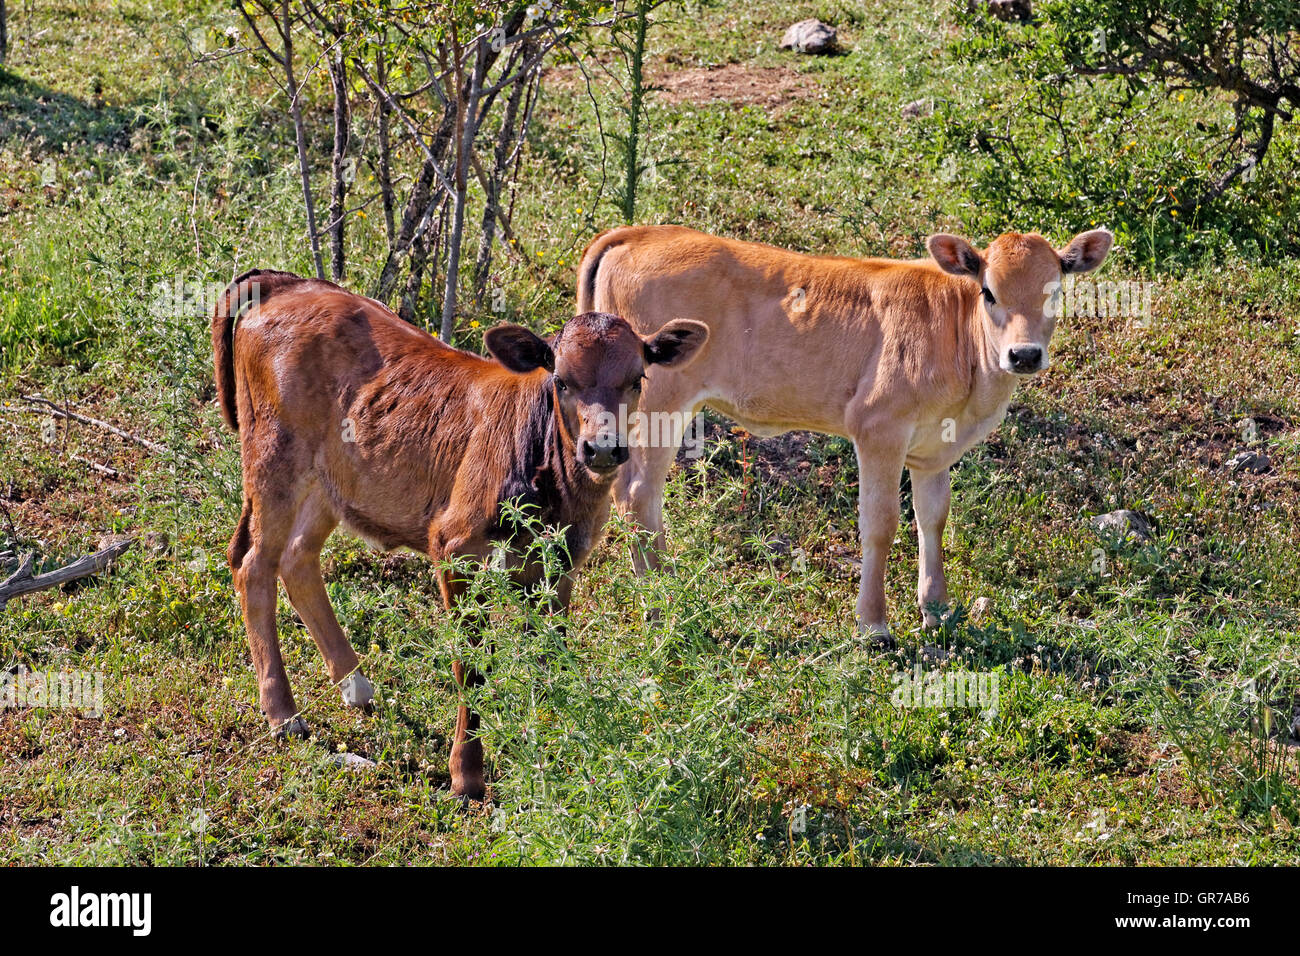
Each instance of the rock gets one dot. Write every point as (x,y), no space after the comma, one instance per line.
(350,761)
(1127,524)
(1249,461)
(980,609)
(918,108)
(934,654)
(809,36)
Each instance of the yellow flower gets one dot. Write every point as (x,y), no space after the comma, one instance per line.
(474,324)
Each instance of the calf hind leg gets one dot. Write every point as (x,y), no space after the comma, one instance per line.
(300,571)
(255,552)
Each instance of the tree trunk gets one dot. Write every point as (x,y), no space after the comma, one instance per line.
(492,188)
(462,182)
(304,167)
(338,184)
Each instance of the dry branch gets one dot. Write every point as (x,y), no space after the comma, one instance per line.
(59,412)
(23,581)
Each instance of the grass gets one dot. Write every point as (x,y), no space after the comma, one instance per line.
(1144,689)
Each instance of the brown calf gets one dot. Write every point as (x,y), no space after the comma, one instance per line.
(348,415)
(915,361)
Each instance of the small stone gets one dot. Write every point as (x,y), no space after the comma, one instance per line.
(933,653)
(350,761)
(980,609)
(918,108)
(1249,461)
(1128,524)
(809,36)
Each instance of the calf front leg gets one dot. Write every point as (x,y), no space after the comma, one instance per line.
(466,761)
(879,472)
(931,497)
(639,495)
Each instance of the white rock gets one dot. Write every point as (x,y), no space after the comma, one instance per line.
(809,36)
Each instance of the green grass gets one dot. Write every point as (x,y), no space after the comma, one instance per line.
(1139,705)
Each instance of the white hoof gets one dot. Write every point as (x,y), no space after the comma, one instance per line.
(356,690)
(293,727)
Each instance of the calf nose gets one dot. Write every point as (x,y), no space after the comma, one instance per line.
(1025,358)
(603,453)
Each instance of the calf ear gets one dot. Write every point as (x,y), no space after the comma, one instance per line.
(1086,251)
(955,255)
(676,343)
(518,349)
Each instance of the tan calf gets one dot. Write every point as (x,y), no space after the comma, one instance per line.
(915,361)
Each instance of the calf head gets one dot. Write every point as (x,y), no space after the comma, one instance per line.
(597,363)
(1019,276)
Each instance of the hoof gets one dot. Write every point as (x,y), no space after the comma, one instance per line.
(293,727)
(357,691)
(467,791)
(932,621)
(879,636)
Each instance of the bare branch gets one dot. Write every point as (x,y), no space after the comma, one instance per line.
(23,581)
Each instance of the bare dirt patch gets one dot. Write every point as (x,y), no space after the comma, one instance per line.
(739,83)
(736,83)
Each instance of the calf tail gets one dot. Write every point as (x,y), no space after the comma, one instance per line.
(589,267)
(245,293)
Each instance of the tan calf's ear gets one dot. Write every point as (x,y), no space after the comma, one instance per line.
(1086,251)
(676,343)
(955,255)
(518,349)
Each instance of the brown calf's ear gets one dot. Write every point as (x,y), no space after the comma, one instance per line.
(518,349)
(955,255)
(1086,251)
(676,343)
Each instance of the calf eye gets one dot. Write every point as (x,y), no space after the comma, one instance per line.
(636,386)
(988,296)
(559,384)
